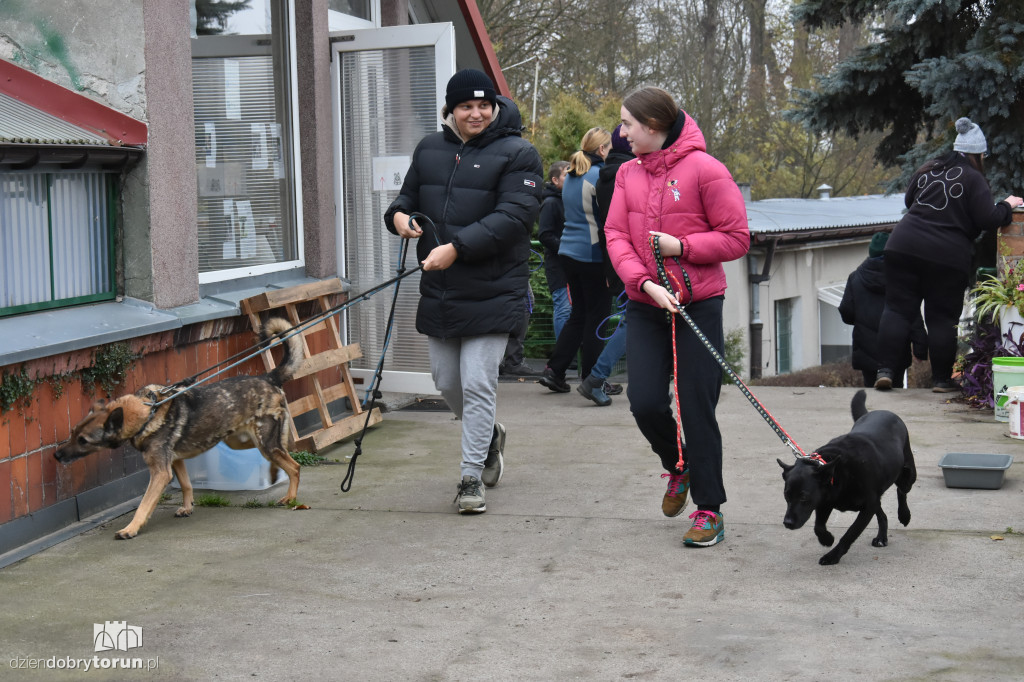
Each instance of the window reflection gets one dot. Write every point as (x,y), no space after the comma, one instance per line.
(354,8)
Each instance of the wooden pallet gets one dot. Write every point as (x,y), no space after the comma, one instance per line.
(335,356)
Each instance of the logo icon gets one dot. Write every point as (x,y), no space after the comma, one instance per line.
(529,183)
(116,635)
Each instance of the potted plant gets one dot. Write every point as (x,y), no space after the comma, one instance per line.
(1002,298)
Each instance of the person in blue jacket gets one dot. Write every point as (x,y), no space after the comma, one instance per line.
(583,263)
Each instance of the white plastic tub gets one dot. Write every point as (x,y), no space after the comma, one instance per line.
(221,468)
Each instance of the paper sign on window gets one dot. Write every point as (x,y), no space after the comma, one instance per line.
(389,172)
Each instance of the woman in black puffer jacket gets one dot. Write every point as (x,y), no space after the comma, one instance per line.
(480,183)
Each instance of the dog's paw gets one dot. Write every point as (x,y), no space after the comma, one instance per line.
(183,512)
(904,516)
(830,559)
(880,542)
(825,538)
(125,534)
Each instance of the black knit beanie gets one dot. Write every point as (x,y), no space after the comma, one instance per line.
(469,84)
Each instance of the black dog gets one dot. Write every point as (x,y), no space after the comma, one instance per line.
(859,467)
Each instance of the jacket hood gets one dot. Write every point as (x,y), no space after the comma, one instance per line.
(873,275)
(690,139)
(551,191)
(507,121)
(612,163)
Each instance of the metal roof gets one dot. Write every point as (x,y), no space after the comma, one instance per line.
(21,123)
(795,215)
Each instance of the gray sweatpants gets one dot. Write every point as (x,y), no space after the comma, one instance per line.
(465,370)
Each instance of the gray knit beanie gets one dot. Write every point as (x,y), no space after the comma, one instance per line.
(970,139)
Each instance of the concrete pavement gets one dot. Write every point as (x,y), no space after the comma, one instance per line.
(573,573)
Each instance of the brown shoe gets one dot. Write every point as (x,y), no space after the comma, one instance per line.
(708,529)
(674,502)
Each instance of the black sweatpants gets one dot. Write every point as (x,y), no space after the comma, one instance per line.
(649,362)
(909,280)
(591,303)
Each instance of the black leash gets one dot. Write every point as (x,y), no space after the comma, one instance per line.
(663,275)
(373,393)
(187,384)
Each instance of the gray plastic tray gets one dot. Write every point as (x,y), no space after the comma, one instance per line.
(974,469)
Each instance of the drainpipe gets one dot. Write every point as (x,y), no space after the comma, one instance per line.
(756,326)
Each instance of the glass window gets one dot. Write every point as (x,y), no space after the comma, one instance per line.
(244,162)
(56,243)
(353,8)
(343,15)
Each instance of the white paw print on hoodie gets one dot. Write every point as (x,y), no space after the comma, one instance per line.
(938,187)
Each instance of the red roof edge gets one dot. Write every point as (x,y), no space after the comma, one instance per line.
(483,44)
(79,110)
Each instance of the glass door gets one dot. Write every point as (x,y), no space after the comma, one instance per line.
(388,88)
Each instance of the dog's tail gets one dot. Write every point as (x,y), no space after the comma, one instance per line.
(292,358)
(859,404)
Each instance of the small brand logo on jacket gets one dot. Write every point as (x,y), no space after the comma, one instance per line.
(529,183)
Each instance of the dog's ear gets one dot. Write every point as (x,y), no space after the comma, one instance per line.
(115,421)
(828,468)
(785,467)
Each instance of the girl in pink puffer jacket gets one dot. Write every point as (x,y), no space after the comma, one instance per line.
(674,189)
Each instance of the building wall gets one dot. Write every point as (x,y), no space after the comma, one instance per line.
(134,57)
(95,49)
(316,138)
(797,272)
(171,168)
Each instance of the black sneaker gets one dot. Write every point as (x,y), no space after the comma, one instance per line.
(520,370)
(549,380)
(945,386)
(612,389)
(494,465)
(883,380)
(470,497)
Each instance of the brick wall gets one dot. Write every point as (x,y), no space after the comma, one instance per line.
(1011,241)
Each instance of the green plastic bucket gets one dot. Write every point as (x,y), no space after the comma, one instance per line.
(1006,373)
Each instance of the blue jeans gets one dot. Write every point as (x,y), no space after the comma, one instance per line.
(562,308)
(614,349)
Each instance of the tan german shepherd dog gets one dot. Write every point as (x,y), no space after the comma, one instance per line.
(242,411)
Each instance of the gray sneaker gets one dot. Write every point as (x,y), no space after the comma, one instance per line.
(494,465)
(470,497)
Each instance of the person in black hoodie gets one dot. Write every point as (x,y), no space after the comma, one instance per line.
(928,257)
(862,304)
(596,386)
(479,182)
(549,234)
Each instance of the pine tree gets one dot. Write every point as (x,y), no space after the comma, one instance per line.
(933,62)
